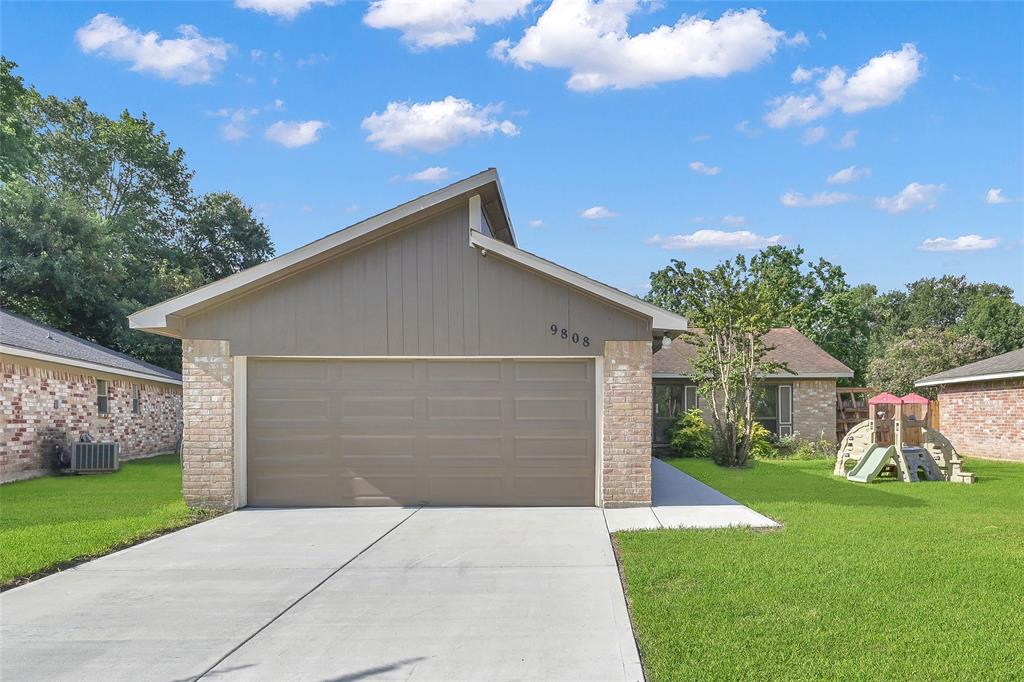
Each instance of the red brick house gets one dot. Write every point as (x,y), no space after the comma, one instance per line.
(981,406)
(54,386)
(801,402)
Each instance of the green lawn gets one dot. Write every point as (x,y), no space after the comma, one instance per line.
(47,522)
(919,581)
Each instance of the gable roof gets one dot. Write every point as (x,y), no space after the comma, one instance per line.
(662,320)
(164,318)
(1005,366)
(802,355)
(23,337)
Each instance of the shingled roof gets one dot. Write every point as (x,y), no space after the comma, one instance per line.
(1005,366)
(801,355)
(22,336)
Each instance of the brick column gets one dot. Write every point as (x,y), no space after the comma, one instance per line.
(208,444)
(814,409)
(626,431)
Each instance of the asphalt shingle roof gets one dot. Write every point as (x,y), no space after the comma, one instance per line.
(1000,364)
(802,355)
(20,332)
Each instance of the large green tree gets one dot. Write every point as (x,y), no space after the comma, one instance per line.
(920,352)
(99,220)
(735,306)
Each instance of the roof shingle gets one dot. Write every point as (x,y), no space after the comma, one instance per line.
(20,332)
(1001,364)
(800,354)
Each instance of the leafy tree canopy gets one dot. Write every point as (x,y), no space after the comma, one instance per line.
(99,220)
(920,352)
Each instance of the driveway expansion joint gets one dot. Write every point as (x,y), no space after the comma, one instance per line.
(303,596)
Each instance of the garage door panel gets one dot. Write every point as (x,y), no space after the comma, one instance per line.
(499,432)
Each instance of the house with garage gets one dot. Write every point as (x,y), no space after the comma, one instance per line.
(799,401)
(418,356)
(56,386)
(981,406)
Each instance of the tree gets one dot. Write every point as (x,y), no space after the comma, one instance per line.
(99,220)
(223,236)
(998,320)
(920,352)
(735,309)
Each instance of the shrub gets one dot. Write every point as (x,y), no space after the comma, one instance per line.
(691,436)
(761,446)
(795,447)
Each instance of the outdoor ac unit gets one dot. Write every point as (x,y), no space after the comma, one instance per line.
(95,457)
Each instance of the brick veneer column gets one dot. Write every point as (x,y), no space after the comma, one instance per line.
(627,423)
(814,409)
(207,408)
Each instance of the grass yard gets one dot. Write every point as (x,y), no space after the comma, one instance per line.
(49,522)
(919,581)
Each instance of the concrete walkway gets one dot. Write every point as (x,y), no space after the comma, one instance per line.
(681,501)
(336,594)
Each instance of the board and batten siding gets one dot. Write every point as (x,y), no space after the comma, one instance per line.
(423,291)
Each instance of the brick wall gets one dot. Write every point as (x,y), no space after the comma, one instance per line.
(984,419)
(626,429)
(814,408)
(208,445)
(43,405)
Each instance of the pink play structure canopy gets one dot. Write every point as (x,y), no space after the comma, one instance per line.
(890,399)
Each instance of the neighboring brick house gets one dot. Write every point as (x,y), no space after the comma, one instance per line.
(802,402)
(55,386)
(981,406)
(418,356)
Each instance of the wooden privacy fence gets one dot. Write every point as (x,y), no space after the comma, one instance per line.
(852,409)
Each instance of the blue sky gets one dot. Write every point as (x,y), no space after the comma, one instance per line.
(320,114)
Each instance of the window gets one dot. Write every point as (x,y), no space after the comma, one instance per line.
(136,400)
(669,402)
(775,409)
(102,397)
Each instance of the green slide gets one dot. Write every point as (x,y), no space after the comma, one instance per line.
(871,463)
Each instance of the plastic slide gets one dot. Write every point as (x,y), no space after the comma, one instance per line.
(876,457)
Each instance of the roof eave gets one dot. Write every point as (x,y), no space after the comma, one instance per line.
(995,376)
(85,364)
(663,322)
(160,318)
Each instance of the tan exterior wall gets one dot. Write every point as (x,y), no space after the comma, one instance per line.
(626,429)
(208,447)
(984,419)
(814,409)
(423,291)
(46,404)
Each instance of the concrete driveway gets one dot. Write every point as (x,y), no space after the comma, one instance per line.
(336,594)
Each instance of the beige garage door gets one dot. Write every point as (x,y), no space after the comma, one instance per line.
(395,432)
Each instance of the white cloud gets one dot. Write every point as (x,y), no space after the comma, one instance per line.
(236,127)
(703,137)
(746,128)
(432,174)
(798,39)
(437,24)
(536,224)
(848,175)
(734,220)
(307,209)
(592,41)
(802,75)
(996,196)
(848,140)
(293,134)
(740,239)
(914,195)
(793,199)
(433,126)
(278,104)
(598,213)
(313,59)
(285,9)
(187,60)
(814,135)
(352,208)
(701,167)
(968,242)
(880,82)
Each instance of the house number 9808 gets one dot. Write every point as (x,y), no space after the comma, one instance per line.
(569,336)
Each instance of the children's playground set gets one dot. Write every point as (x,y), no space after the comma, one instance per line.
(896,442)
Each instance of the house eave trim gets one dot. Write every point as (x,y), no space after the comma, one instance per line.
(662,321)
(968,379)
(82,364)
(805,375)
